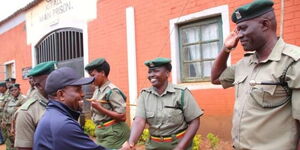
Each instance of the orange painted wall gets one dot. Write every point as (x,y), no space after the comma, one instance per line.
(13,47)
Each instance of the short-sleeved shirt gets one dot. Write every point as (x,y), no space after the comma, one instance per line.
(27,118)
(115,101)
(265,115)
(168,113)
(11,107)
(58,129)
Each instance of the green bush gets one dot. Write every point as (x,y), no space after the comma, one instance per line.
(89,127)
(144,137)
(213,140)
(197,141)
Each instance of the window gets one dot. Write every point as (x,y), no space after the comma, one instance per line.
(9,69)
(199,44)
(60,45)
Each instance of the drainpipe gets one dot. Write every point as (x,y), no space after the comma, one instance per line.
(281,18)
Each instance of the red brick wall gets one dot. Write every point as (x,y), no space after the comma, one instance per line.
(13,47)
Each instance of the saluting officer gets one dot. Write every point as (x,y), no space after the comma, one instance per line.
(170,110)
(267,81)
(11,106)
(29,114)
(110,114)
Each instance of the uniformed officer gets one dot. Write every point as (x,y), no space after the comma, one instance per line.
(9,81)
(3,95)
(32,90)
(170,110)
(11,106)
(29,114)
(267,81)
(109,114)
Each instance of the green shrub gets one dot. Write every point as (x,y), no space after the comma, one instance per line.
(213,140)
(197,141)
(144,137)
(89,127)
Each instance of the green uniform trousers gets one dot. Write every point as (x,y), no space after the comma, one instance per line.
(112,137)
(153,145)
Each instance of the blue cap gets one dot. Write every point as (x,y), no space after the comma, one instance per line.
(63,77)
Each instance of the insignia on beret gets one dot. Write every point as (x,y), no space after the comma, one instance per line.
(10,79)
(238,15)
(151,65)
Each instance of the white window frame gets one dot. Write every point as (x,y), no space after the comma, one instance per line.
(13,68)
(223,11)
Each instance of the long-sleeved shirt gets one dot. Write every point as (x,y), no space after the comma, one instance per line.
(59,129)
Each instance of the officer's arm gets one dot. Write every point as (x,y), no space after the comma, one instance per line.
(190,133)
(136,131)
(112,114)
(220,63)
(118,105)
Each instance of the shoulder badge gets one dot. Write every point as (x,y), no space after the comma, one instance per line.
(28,103)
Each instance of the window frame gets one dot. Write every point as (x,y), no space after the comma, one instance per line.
(222,10)
(198,23)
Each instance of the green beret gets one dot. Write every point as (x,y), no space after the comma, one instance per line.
(2,84)
(10,79)
(42,68)
(157,62)
(252,10)
(14,85)
(94,64)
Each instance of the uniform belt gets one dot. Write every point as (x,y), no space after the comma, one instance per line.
(179,135)
(107,123)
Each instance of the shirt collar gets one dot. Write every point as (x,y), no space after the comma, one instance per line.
(170,88)
(275,55)
(63,108)
(103,87)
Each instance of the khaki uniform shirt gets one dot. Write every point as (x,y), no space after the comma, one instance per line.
(115,101)
(264,116)
(31,92)
(11,107)
(27,118)
(3,99)
(164,121)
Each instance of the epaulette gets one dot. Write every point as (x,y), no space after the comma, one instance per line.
(28,103)
(249,53)
(179,87)
(292,51)
(145,90)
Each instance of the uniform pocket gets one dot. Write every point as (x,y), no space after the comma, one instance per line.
(150,117)
(270,96)
(238,84)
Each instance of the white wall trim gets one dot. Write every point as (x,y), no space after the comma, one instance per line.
(13,69)
(12,23)
(131,58)
(220,10)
